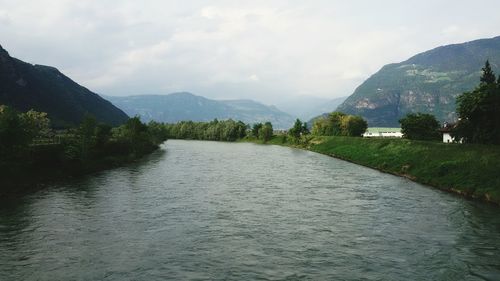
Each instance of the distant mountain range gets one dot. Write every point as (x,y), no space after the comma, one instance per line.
(428,82)
(186,106)
(43,88)
(307,107)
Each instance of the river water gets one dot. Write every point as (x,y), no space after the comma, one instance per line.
(238,211)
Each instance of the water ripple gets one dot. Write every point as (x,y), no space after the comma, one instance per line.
(212,211)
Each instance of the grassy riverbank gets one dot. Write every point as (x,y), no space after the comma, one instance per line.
(470,170)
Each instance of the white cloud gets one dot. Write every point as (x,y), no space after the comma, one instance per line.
(254,78)
(4,17)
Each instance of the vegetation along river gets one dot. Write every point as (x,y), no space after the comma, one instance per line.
(239,211)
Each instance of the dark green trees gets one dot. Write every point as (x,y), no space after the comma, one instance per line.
(329,125)
(488,76)
(226,130)
(339,124)
(255,129)
(12,132)
(479,111)
(29,146)
(353,126)
(420,126)
(266,132)
(17,130)
(298,129)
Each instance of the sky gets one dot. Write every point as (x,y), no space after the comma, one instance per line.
(268,51)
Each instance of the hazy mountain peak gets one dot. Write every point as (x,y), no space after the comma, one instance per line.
(185,106)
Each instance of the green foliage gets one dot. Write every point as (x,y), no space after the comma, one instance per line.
(17,132)
(255,129)
(353,126)
(266,132)
(227,130)
(479,112)
(28,145)
(420,126)
(36,123)
(488,76)
(298,130)
(13,133)
(339,124)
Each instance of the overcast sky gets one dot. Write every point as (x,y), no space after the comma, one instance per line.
(264,50)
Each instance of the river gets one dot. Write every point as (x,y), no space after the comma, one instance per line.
(238,211)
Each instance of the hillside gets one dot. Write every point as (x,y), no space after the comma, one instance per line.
(186,106)
(428,82)
(43,88)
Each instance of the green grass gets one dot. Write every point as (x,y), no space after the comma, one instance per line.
(470,170)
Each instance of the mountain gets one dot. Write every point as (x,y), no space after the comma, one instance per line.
(428,82)
(186,106)
(43,88)
(306,107)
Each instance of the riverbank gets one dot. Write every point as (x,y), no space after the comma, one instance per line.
(468,170)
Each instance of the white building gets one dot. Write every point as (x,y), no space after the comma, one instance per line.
(446,131)
(383,133)
(447,138)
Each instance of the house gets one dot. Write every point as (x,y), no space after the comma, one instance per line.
(383,133)
(446,131)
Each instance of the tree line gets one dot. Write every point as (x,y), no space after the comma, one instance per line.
(225,130)
(339,124)
(29,144)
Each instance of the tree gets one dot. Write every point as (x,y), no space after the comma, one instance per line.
(319,127)
(255,129)
(488,76)
(339,124)
(335,121)
(329,125)
(479,117)
(37,124)
(266,132)
(242,129)
(13,133)
(420,126)
(296,130)
(305,130)
(353,126)
(86,133)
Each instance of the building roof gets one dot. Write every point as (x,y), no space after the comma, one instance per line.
(375,130)
(448,127)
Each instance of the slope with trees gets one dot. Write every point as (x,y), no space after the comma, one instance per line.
(429,83)
(24,86)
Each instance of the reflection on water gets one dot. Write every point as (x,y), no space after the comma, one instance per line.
(205,210)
